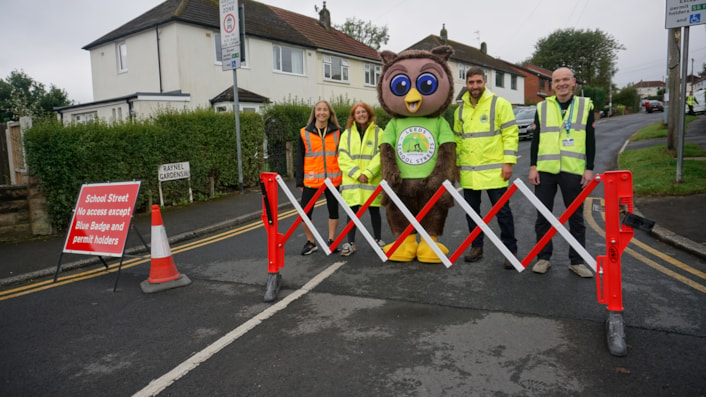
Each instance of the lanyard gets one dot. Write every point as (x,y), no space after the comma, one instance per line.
(567,123)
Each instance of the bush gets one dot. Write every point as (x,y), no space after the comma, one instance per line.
(65,157)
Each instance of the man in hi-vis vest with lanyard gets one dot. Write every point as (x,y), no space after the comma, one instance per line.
(561,155)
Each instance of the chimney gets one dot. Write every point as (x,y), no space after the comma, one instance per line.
(325,18)
(484,48)
(444,34)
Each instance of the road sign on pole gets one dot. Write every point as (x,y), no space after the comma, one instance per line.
(230,34)
(682,13)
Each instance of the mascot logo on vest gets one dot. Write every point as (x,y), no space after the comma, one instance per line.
(418,150)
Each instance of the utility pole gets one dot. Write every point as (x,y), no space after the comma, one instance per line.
(673,87)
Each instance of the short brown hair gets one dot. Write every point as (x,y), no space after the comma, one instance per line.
(474,70)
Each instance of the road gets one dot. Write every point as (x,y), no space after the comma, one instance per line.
(355,326)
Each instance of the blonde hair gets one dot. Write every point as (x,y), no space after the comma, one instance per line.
(331,114)
(368,110)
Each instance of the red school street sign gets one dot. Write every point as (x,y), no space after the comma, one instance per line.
(101,219)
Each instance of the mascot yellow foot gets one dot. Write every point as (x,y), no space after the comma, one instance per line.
(406,251)
(426,255)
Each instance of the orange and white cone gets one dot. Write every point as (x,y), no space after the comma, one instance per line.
(163,272)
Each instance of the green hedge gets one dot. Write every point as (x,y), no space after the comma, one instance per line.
(65,157)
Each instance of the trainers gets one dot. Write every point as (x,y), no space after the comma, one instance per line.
(474,254)
(309,248)
(507,264)
(541,266)
(348,249)
(329,244)
(581,270)
(380,243)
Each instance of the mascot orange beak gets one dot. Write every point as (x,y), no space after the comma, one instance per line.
(413,100)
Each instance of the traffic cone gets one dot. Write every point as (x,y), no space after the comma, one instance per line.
(163,273)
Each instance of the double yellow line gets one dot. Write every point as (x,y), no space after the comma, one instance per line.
(647,261)
(132,262)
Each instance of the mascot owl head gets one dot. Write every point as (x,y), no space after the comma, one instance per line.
(416,83)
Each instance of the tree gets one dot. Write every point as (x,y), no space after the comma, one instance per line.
(20,95)
(591,54)
(628,97)
(365,32)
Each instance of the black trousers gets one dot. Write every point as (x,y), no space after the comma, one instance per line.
(375,219)
(504,216)
(570,185)
(331,203)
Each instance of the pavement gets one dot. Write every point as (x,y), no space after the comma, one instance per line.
(678,222)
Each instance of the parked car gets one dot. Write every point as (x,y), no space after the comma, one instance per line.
(525,121)
(654,106)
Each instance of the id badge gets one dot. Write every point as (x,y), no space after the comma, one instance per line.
(568,142)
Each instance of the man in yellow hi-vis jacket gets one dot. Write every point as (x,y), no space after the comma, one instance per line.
(486,148)
(561,155)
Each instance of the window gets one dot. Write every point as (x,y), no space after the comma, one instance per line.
(84,117)
(372,74)
(122,57)
(462,71)
(219,51)
(499,79)
(287,59)
(335,68)
(513,82)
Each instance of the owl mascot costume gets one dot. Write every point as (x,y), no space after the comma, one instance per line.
(418,149)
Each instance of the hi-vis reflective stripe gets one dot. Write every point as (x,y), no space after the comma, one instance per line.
(492,131)
(324,175)
(160,244)
(361,186)
(575,155)
(549,157)
(318,154)
(358,156)
(578,125)
(481,167)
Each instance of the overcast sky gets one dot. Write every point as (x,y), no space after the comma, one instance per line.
(45,39)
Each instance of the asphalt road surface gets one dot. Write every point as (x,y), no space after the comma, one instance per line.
(356,326)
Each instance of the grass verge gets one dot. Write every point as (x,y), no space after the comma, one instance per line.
(654,169)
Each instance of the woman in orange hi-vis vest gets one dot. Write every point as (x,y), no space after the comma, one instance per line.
(317,159)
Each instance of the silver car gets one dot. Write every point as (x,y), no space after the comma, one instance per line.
(525,121)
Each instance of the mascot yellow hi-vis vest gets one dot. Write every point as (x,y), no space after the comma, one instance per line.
(554,153)
(320,158)
(418,150)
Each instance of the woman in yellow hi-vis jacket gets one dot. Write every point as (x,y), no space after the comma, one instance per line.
(317,159)
(359,160)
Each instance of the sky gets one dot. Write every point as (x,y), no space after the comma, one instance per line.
(46,42)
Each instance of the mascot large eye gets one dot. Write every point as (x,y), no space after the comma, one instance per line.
(427,83)
(400,85)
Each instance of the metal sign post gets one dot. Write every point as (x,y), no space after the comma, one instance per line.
(682,14)
(230,60)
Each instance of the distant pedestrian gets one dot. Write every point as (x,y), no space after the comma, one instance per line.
(486,149)
(561,155)
(317,159)
(690,99)
(359,160)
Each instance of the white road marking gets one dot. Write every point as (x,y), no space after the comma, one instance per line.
(158,385)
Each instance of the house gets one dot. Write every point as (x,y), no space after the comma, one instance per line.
(170,57)
(649,89)
(538,83)
(501,78)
